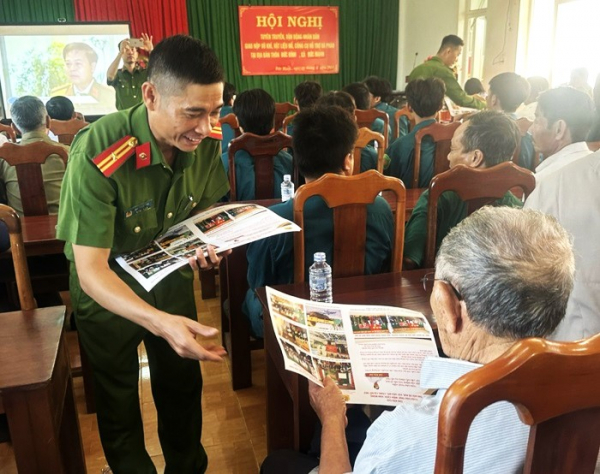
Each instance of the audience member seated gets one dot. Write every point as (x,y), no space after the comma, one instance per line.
(255,111)
(474,86)
(441,66)
(228,100)
(573,196)
(425,99)
(477,323)
(381,95)
(594,135)
(60,108)
(562,121)
(368,155)
(306,94)
(537,85)
(362,99)
(31,120)
(579,80)
(323,143)
(507,92)
(484,140)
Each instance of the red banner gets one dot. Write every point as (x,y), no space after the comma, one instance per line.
(289,40)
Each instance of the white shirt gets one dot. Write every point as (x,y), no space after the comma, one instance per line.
(561,158)
(404,440)
(573,197)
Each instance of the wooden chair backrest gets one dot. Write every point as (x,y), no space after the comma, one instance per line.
(441,134)
(10,217)
(286,121)
(349,196)
(403,112)
(554,389)
(28,160)
(66,130)
(594,146)
(232,121)
(10,132)
(477,186)
(262,149)
(365,118)
(281,110)
(366,136)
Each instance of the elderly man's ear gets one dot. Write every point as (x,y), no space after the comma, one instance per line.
(453,310)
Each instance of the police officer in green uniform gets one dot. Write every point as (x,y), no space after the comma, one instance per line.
(323,140)
(132,175)
(484,140)
(128,80)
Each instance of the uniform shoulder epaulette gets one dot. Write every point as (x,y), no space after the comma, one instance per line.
(111,159)
(216,132)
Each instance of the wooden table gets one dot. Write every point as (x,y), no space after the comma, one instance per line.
(290,418)
(234,284)
(37,392)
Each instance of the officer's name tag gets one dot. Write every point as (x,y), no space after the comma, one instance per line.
(132,211)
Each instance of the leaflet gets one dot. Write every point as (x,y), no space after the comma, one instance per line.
(373,353)
(224,227)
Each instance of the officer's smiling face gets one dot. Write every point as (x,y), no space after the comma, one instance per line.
(183,121)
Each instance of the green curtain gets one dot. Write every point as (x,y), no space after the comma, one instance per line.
(36,11)
(368,41)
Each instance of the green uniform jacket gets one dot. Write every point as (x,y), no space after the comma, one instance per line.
(402,152)
(368,159)
(129,209)
(52,172)
(128,87)
(388,109)
(271,260)
(245,182)
(451,210)
(378,126)
(434,67)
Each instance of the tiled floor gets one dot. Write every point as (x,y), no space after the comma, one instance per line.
(234,433)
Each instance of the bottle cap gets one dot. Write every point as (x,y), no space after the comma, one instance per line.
(287,177)
(319,257)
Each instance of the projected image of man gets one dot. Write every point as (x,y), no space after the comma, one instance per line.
(80,64)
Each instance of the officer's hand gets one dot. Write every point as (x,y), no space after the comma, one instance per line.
(200,262)
(147,41)
(124,44)
(181,334)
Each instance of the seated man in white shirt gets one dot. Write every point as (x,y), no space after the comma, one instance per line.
(562,120)
(480,314)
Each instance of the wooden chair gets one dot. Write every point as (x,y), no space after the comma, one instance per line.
(10,132)
(78,360)
(262,149)
(594,146)
(366,136)
(365,118)
(232,121)
(281,110)
(286,121)
(554,389)
(441,134)
(28,160)
(478,186)
(403,112)
(349,197)
(65,130)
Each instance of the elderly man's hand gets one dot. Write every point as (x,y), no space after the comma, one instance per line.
(327,401)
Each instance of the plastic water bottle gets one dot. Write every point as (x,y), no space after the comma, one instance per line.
(287,188)
(319,280)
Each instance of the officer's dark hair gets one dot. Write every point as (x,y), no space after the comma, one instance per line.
(255,111)
(510,89)
(91,55)
(228,92)
(180,60)
(360,93)
(323,137)
(426,96)
(571,105)
(495,134)
(28,113)
(339,98)
(474,86)
(60,108)
(379,87)
(307,93)
(451,41)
